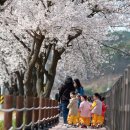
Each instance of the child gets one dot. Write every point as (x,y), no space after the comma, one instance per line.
(104,108)
(73,110)
(96,110)
(85,113)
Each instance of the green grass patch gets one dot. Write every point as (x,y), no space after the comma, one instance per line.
(2,124)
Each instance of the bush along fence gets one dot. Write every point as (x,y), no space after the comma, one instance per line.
(31,113)
(118,101)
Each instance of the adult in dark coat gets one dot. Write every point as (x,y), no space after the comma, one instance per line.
(64,96)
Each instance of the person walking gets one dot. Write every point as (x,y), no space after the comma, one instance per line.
(73,111)
(80,92)
(85,113)
(96,110)
(64,96)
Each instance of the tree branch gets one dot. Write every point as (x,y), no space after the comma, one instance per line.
(3,39)
(22,43)
(5,66)
(43,4)
(114,48)
(2,2)
(117,49)
(72,37)
(48,52)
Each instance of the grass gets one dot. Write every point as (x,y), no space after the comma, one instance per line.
(2,124)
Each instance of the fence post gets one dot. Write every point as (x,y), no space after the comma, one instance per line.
(19,114)
(28,113)
(128,100)
(52,112)
(125,97)
(8,103)
(49,113)
(35,112)
(41,112)
(57,112)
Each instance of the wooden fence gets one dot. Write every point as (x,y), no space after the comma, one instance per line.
(30,112)
(118,101)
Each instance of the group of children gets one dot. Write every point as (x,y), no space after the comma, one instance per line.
(86,113)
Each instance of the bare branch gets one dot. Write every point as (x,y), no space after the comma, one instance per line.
(22,43)
(3,39)
(43,4)
(95,10)
(72,37)
(30,33)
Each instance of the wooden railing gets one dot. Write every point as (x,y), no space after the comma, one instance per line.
(29,113)
(118,101)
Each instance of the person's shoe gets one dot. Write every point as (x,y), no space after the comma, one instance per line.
(75,126)
(98,126)
(93,127)
(69,126)
(83,126)
(65,124)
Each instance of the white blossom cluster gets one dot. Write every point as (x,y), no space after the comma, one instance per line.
(59,18)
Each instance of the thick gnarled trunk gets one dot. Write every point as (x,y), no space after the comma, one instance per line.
(51,74)
(31,64)
(20,77)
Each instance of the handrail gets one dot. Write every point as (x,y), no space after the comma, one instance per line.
(118,101)
(36,111)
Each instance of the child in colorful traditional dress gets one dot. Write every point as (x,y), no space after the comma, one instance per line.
(73,110)
(85,113)
(96,110)
(104,108)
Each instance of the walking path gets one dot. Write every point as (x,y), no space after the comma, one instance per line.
(60,126)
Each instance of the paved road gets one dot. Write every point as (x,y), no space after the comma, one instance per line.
(60,126)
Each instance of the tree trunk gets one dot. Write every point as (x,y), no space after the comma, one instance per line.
(48,87)
(52,73)
(31,64)
(39,86)
(40,80)
(27,85)
(20,82)
(34,80)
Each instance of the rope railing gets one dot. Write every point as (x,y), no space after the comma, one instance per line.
(34,111)
(26,109)
(117,99)
(33,123)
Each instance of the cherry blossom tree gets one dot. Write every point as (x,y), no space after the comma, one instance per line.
(37,35)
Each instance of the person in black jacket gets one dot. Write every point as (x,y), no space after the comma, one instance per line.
(64,96)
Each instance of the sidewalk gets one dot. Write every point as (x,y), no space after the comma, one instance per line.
(60,126)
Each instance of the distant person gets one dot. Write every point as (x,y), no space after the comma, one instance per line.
(64,96)
(85,113)
(78,89)
(73,110)
(96,110)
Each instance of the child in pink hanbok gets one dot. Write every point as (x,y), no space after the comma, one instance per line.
(85,113)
